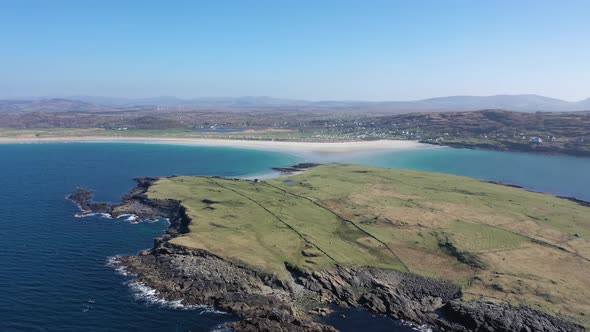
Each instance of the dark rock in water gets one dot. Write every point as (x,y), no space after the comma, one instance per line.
(83,198)
(569,198)
(296,168)
(135,202)
(573,199)
(306,165)
(504,184)
(81,195)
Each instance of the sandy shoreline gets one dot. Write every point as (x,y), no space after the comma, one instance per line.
(336,147)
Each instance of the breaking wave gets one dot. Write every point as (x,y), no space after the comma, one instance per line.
(150,296)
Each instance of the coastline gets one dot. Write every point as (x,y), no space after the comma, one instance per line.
(314,147)
(542,150)
(196,277)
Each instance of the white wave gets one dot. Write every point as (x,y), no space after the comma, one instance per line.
(222,328)
(424,328)
(156,220)
(133,219)
(421,328)
(151,296)
(130,217)
(209,310)
(86,213)
(113,262)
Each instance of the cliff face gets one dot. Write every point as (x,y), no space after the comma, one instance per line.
(197,277)
(265,302)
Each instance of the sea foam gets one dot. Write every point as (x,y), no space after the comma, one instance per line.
(148,295)
(151,296)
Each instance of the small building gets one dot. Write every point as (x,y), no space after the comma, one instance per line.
(536,140)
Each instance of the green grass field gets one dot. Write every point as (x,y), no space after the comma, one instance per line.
(500,243)
(263,227)
(262,134)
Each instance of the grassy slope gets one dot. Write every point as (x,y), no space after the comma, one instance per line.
(281,135)
(432,224)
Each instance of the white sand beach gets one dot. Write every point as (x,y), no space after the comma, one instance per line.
(319,147)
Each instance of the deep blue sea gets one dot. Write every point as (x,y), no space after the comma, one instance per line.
(54,274)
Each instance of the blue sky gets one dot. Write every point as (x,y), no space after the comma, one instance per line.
(317,50)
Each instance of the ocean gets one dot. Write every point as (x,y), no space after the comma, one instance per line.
(54,267)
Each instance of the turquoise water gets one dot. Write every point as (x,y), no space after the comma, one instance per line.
(54,274)
(558,175)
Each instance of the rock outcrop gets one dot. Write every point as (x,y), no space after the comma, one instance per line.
(479,316)
(196,277)
(265,302)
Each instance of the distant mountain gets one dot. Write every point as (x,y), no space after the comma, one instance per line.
(203,102)
(53,105)
(527,103)
(128,102)
(523,103)
(585,104)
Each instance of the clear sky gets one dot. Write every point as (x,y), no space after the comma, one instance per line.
(317,49)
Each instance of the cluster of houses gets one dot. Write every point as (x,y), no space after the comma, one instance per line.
(539,140)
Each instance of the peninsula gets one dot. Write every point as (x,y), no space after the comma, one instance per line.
(451,252)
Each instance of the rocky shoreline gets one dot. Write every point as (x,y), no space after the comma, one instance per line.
(266,303)
(295,169)
(569,198)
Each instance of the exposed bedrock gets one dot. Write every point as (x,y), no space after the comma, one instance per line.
(425,301)
(399,295)
(266,303)
(479,316)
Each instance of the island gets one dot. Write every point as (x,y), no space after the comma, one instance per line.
(455,253)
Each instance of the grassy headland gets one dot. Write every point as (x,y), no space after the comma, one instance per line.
(500,243)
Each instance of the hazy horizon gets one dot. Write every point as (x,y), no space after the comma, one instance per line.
(333,50)
(82,97)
